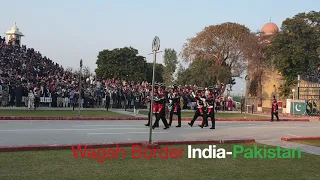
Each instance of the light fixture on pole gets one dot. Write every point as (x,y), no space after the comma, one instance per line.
(80,87)
(298,87)
(241,101)
(293,91)
(155,49)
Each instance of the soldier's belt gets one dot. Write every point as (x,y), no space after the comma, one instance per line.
(200,110)
(176,106)
(209,110)
(160,108)
(155,108)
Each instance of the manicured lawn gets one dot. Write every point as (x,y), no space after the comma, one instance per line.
(61,113)
(309,142)
(220,115)
(60,164)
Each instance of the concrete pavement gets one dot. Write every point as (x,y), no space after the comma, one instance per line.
(24,132)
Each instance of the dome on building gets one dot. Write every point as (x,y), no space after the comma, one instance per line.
(270,28)
(14,30)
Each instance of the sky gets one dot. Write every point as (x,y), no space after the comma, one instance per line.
(69,30)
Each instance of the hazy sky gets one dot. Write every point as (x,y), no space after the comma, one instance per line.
(70,30)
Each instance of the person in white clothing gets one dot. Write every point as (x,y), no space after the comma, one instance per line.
(65,98)
(207,92)
(30,99)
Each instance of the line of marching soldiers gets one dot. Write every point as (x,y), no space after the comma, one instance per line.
(205,107)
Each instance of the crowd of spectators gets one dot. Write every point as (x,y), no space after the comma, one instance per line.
(26,74)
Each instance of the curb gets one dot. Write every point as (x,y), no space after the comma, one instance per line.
(283,114)
(49,118)
(120,144)
(261,120)
(68,118)
(300,138)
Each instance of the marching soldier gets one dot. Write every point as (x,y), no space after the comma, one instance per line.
(176,108)
(167,94)
(210,112)
(169,102)
(155,106)
(161,109)
(200,108)
(274,109)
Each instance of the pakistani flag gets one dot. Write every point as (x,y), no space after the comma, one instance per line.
(298,107)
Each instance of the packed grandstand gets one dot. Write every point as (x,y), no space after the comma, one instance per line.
(25,73)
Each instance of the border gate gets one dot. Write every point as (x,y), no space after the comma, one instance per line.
(309,90)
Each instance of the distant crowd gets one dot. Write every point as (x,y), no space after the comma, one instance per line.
(28,79)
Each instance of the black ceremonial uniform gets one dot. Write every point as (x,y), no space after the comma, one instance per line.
(176,109)
(137,101)
(209,112)
(154,110)
(161,111)
(201,109)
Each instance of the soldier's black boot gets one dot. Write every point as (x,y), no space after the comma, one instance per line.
(156,124)
(213,124)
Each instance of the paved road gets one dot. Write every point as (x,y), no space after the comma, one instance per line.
(130,111)
(65,132)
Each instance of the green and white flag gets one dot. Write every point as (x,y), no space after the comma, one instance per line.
(298,107)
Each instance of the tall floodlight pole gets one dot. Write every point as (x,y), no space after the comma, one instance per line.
(155,49)
(80,87)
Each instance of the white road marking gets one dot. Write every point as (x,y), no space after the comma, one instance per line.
(164,132)
(293,135)
(126,133)
(280,127)
(27,130)
(102,133)
(107,125)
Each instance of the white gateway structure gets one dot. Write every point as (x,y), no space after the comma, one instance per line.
(14,35)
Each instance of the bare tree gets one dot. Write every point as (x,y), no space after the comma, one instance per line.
(223,45)
(255,51)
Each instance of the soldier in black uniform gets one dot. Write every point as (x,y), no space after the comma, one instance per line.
(209,112)
(155,106)
(167,93)
(200,98)
(169,102)
(176,109)
(161,109)
(274,109)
